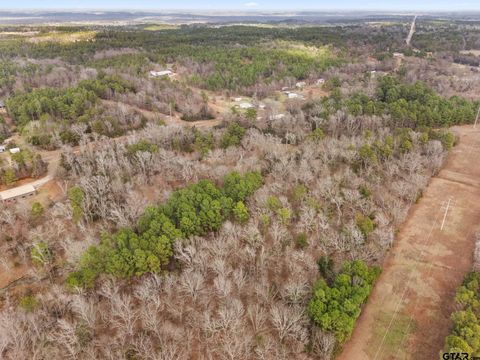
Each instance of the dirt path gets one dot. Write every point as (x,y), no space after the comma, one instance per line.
(408,313)
(411,32)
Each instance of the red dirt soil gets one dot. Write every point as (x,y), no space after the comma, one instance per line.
(408,313)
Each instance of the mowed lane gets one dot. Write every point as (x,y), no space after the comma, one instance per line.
(408,313)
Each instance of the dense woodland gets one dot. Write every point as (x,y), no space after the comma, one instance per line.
(257,237)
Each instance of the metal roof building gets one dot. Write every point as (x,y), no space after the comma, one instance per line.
(161,73)
(17,193)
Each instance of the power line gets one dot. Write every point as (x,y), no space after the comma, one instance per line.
(476,119)
(397,308)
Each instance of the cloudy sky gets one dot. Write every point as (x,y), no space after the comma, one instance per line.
(247,4)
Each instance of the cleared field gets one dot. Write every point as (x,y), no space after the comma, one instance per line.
(158,27)
(408,313)
(63,37)
(468,52)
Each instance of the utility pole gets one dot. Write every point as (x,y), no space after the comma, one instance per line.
(446,212)
(476,119)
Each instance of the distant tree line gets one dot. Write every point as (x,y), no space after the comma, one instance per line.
(413,105)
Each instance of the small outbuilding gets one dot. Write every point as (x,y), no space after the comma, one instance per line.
(15,150)
(2,104)
(2,148)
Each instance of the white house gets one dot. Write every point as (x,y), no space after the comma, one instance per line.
(320,81)
(246,105)
(161,73)
(301,84)
(2,104)
(14,150)
(277,117)
(293,95)
(2,148)
(238,99)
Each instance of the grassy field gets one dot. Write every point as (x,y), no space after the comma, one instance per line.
(397,336)
(158,27)
(63,37)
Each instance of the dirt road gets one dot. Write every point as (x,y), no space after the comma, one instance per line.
(408,313)
(411,32)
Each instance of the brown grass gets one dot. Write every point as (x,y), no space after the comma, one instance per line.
(425,266)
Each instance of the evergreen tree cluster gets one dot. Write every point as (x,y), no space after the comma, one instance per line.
(337,301)
(413,105)
(465,334)
(63,104)
(195,210)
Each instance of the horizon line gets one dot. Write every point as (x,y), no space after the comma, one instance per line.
(249,10)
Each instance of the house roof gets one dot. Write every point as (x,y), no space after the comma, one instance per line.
(246,105)
(16,192)
(161,73)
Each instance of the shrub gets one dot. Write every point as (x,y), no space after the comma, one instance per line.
(284,215)
(240,212)
(141,146)
(316,135)
(29,303)
(76,195)
(365,192)
(447,138)
(325,267)
(40,254)
(37,210)
(299,192)
(233,136)
(365,224)
(203,142)
(301,241)
(9,177)
(251,114)
(238,188)
(367,155)
(274,203)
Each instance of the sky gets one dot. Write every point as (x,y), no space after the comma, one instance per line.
(393,5)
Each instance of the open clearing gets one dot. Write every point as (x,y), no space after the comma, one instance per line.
(408,313)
